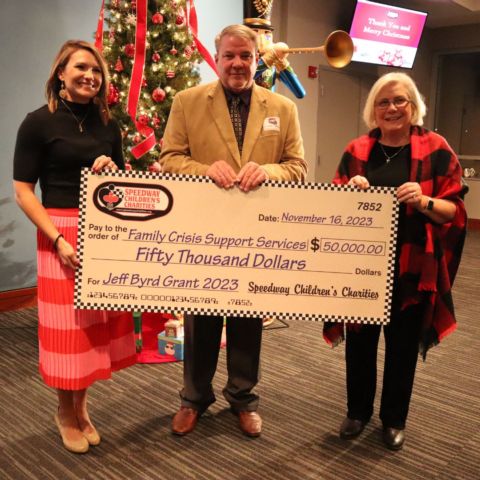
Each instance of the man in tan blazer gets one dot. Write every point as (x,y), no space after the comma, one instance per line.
(240,135)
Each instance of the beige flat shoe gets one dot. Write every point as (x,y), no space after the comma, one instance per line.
(266,321)
(93,437)
(74,446)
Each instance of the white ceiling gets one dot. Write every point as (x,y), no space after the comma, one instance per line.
(443,13)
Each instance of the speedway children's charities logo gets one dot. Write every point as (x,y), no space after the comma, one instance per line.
(133,201)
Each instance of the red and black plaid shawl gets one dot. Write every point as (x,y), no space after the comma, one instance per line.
(430,255)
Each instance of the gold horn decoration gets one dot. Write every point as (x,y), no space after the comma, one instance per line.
(338,49)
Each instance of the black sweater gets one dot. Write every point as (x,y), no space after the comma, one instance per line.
(50,148)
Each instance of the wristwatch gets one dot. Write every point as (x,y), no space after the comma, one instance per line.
(430,205)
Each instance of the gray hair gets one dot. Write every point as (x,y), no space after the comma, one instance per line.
(419,108)
(237,31)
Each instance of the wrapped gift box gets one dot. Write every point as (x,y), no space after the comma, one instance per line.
(172,346)
(174,328)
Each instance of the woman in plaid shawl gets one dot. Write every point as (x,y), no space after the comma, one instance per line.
(398,152)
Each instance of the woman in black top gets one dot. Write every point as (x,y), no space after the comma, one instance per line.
(74,130)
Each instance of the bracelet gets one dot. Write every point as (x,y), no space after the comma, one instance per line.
(59,236)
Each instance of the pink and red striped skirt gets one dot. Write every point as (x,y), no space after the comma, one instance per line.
(76,347)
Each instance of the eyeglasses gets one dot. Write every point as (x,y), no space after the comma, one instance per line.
(398,102)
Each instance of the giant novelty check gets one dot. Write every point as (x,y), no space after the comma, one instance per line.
(162,243)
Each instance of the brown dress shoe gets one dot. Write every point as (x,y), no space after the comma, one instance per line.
(250,423)
(184,421)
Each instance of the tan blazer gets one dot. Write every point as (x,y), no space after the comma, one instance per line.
(199,132)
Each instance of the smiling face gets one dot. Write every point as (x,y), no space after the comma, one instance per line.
(393,121)
(236,62)
(82,76)
(169,349)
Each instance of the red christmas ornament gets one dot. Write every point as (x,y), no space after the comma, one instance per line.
(157,18)
(180,20)
(188,52)
(137,138)
(119,65)
(173,51)
(128,167)
(143,120)
(144,82)
(170,73)
(134,4)
(113,95)
(156,57)
(155,167)
(156,122)
(159,95)
(129,50)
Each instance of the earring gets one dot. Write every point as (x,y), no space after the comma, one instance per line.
(62,92)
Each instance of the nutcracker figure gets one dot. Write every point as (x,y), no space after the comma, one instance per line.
(273,63)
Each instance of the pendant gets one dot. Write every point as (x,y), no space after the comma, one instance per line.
(80,128)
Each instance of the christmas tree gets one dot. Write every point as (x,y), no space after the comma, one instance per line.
(171,64)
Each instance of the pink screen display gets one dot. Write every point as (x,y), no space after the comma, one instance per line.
(386,35)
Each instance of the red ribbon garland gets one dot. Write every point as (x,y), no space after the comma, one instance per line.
(136,82)
(137,75)
(192,23)
(99,32)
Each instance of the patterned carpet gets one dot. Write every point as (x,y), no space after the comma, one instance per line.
(303,403)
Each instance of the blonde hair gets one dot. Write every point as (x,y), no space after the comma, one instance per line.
(419,108)
(53,84)
(237,31)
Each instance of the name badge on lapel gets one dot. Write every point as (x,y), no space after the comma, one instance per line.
(271,124)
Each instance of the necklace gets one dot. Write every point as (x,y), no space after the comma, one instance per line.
(80,122)
(389,157)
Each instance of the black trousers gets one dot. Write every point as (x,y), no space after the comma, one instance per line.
(202,344)
(401,353)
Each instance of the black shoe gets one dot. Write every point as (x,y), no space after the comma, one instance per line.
(393,438)
(351,428)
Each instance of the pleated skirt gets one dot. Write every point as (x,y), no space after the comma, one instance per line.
(76,347)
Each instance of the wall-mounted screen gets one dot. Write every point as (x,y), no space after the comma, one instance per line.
(385,34)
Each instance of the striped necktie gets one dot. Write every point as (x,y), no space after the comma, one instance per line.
(234,110)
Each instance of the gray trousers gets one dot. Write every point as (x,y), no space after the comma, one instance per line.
(202,344)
